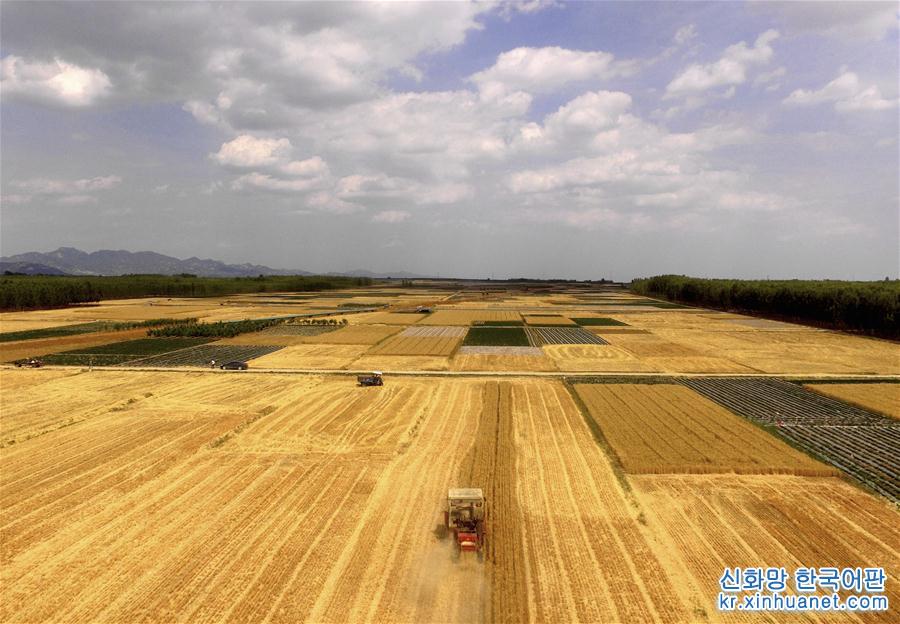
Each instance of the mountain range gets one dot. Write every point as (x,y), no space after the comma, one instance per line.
(71,261)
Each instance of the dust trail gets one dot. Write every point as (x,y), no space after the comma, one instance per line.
(447,589)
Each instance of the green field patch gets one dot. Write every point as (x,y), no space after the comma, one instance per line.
(89,328)
(496,337)
(120,352)
(53,332)
(599,321)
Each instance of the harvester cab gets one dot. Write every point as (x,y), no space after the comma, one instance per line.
(464,518)
(374,379)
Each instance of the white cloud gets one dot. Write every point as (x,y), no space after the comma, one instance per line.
(730,70)
(867,21)
(543,70)
(771,80)
(45,186)
(685,34)
(63,192)
(391,216)
(56,82)
(76,200)
(247,152)
(311,167)
(266,182)
(847,94)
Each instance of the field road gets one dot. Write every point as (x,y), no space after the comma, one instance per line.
(485,373)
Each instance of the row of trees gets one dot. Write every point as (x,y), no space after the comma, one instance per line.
(221,329)
(28,292)
(868,307)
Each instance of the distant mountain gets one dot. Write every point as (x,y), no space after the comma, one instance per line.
(29,268)
(67,260)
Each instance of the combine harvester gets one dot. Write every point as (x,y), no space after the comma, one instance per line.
(464,518)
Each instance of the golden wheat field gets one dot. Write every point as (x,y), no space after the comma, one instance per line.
(417,345)
(301,498)
(883,398)
(664,428)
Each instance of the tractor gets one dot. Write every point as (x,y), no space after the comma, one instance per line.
(464,518)
(373,379)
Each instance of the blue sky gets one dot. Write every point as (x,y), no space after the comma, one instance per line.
(542,139)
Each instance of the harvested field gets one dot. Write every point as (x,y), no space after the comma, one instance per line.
(800,350)
(201,355)
(400,363)
(595,358)
(881,398)
(416,345)
(616,330)
(546,319)
(540,336)
(586,557)
(663,428)
(489,362)
(312,356)
(282,340)
(708,523)
(696,364)
(651,346)
(535,351)
(467,317)
(287,507)
(390,318)
(497,337)
(356,334)
(862,444)
(435,332)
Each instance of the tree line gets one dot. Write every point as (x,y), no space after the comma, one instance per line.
(867,307)
(31,292)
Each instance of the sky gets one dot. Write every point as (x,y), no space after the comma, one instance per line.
(535,139)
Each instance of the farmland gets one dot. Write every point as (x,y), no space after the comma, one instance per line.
(661,428)
(880,398)
(627,454)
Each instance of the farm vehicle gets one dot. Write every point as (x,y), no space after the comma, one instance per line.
(29,363)
(373,379)
(464,520)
